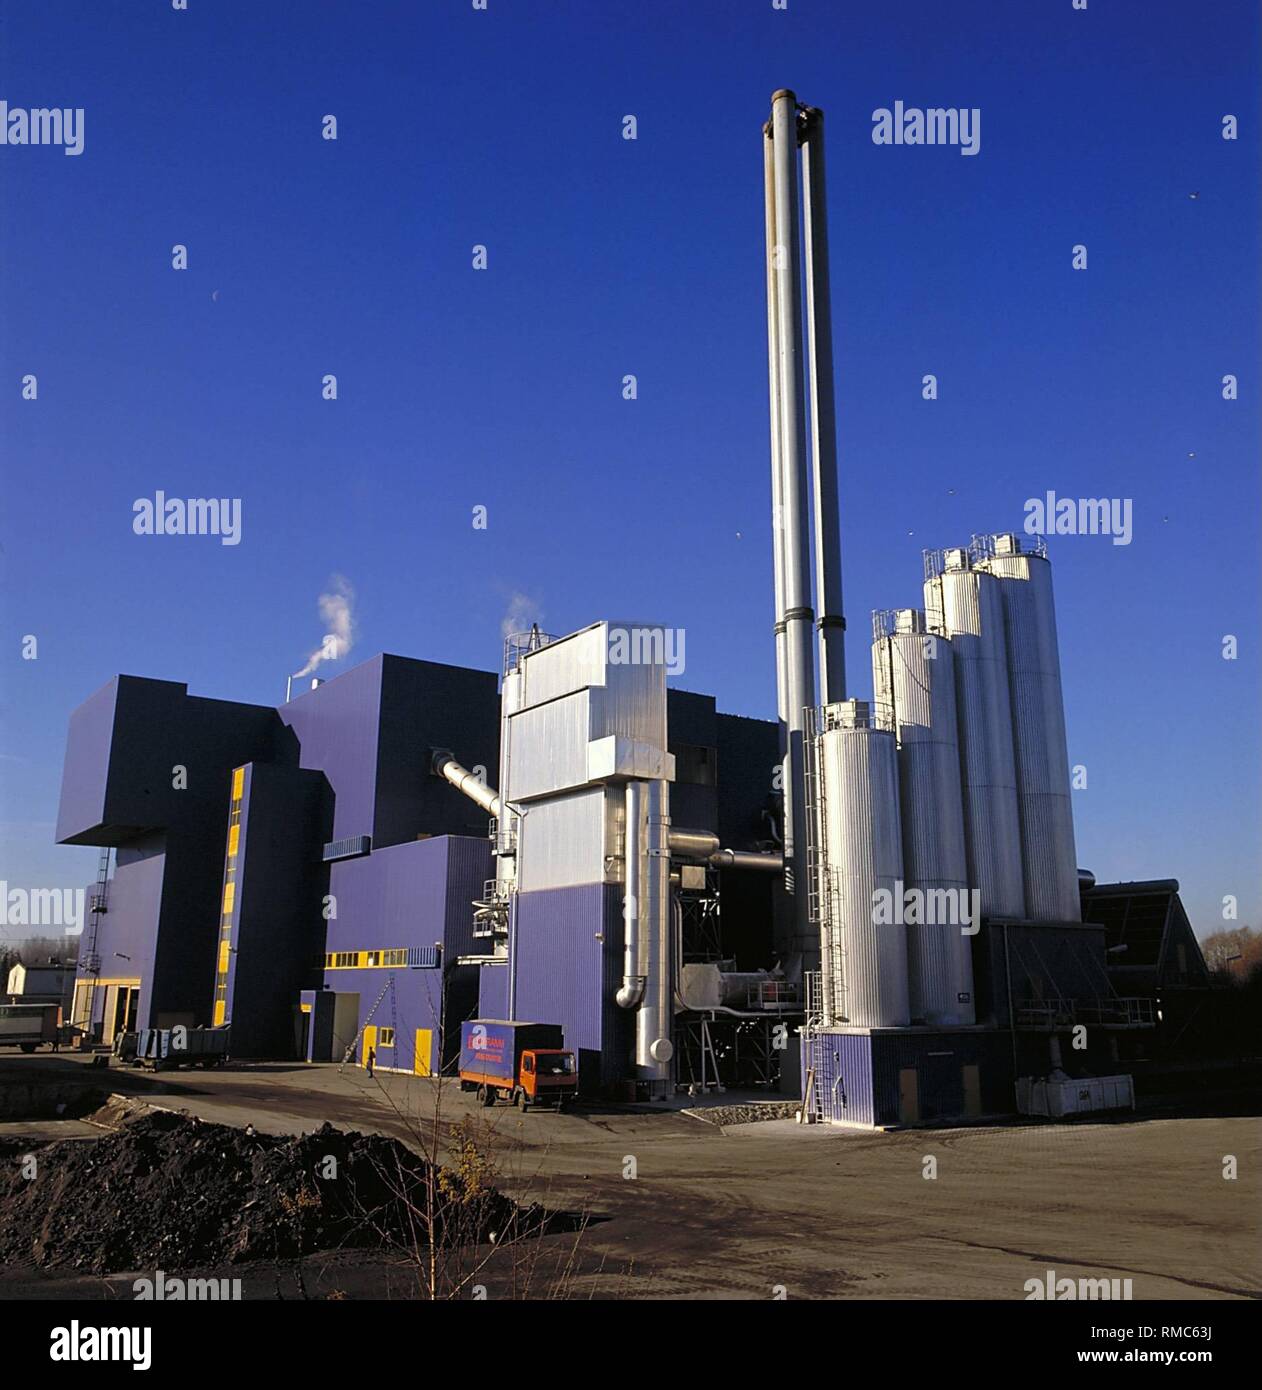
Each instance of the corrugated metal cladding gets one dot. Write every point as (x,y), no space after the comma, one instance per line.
(549,744)
(563,841)
(567,974)
(913,673)
(862,856)
(1038,726)
(842,1065)
(565,666)
(968,607)
(911,1077)
(493,991)
(939,1061)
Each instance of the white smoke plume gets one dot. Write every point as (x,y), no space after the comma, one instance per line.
(339,620)
(522,612)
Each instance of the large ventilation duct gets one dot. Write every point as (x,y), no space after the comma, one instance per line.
(1038,725)
(465,781)
(704,845)
(913,677)
(864,973)
(965,604)
(791,490)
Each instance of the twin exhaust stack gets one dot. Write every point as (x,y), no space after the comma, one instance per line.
(797,236)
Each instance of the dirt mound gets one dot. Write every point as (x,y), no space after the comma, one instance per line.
(171,1192)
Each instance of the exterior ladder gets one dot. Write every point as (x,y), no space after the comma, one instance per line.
(387,988)
(89,961)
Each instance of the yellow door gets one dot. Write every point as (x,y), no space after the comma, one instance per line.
(369,1044)
(424,1042)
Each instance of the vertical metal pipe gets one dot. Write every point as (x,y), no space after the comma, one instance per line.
(653,1045)
(798,612)
(773,382)
(819,338)
(631,992)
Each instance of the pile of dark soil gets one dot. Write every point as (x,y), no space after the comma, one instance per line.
(171,1192)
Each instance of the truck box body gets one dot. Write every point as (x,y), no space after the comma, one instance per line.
(28,1025)
(490,1049)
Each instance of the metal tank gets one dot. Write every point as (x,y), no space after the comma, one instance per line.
(859,856)
(965,605)
(913,678)
(1048,855)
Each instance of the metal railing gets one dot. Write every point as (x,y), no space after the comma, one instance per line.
(519,644)
(1101,1011)
(983,547)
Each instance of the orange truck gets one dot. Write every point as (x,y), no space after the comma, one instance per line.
(522,1063)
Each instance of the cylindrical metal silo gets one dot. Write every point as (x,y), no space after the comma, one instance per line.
(965,604)
(913,676)
(1038,723)
(861,864)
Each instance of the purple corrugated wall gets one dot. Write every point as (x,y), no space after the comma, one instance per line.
(569,963)
(843,1076)
(85,775)
(337,727)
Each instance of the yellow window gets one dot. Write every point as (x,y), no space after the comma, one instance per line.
(229,896)
(221,1010)
(238,783)
(224,952)
(234,838)
(385,1037)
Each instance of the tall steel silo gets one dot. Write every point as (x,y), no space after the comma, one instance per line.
(966,605)
(1038,721)
(913,676)
(860,855)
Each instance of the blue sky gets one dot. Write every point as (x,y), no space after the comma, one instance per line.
(502,388)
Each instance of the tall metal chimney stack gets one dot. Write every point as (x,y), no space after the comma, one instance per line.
(791,491)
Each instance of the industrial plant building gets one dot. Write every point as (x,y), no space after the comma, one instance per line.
(874,903)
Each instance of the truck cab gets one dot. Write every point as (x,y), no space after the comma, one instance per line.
(549,1076)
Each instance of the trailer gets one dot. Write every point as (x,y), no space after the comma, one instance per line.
(163,1049)
(522,1063)
(29,1026)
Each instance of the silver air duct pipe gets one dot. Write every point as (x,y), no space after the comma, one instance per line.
(798,615)
(705,845)
(464,780)
(653,1046)
(747,859)
(819,342)
(633,980)
(646,915)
